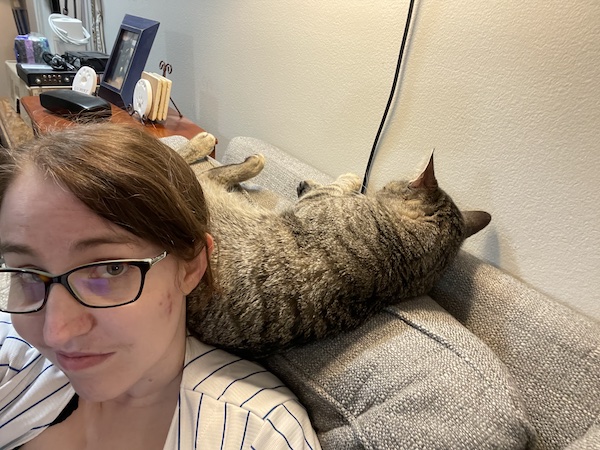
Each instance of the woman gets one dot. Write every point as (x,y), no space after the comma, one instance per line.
(103,232)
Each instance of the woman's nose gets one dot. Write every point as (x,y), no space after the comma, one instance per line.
(64,318)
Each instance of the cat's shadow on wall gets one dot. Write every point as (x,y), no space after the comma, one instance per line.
(497,250)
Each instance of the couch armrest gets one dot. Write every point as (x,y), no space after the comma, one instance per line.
(552,351)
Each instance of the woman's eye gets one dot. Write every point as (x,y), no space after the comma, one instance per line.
(111,270)
(30,278)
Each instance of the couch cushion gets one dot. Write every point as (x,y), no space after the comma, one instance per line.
(552,351)
(411,378)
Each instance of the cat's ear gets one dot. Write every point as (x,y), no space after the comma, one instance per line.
(427,179)
(475,221)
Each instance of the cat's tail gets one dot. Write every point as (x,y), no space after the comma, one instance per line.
(475,221)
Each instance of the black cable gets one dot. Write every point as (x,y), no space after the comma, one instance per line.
(57,62)
(391,97)
(55,6)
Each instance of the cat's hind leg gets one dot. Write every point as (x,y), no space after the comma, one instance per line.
(345,184)
(198,147)
(232,174)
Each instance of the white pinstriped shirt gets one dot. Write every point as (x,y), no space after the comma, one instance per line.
(224,402)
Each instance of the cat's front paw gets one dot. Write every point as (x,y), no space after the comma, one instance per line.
(349,182)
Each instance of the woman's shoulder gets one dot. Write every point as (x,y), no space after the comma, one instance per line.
(15,353)
(32,390)
(227,378)
(5,325)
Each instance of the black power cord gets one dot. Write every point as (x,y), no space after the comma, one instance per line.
(58,62)
(390,99)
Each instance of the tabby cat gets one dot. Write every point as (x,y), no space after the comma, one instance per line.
(323,265)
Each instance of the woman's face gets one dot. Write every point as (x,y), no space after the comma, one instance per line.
(106,353)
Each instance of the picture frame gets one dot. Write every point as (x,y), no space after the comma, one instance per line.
(127,59)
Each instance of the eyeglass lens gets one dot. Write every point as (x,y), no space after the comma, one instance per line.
(97,285)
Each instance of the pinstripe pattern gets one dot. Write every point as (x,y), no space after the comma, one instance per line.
(25,411)
(224,402)
(229,403)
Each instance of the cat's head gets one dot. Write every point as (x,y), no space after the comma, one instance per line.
(423,197)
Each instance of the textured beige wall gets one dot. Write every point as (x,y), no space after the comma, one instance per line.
(507,92)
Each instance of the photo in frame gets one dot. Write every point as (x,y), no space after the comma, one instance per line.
(127,60)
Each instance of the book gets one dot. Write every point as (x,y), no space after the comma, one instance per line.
(157,88)
(166,97)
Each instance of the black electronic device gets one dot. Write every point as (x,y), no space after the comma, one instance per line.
(95,60)
(42,75)
(70,103)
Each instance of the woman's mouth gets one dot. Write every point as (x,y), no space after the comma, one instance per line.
(72,362)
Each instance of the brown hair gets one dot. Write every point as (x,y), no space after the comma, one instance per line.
(126,176)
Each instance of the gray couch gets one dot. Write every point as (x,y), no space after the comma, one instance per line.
(482,362)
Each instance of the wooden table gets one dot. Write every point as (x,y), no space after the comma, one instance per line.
(44,121)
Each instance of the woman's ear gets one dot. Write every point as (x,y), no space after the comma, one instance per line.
(193,271)
(210,244)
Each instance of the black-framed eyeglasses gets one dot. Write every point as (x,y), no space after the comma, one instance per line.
(103,284)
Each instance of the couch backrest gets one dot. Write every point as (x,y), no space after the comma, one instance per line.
(282,172)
